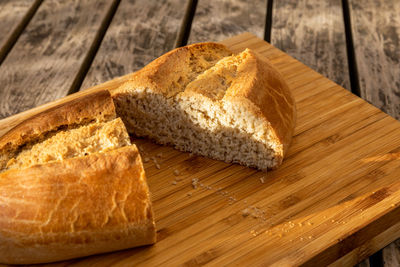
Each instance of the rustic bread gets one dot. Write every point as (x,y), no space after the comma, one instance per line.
(72,185)
(201,98)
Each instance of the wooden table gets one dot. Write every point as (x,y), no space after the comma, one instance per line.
(52,48)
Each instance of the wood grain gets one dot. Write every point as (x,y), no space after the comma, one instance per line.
(14,14)
(313,32)
(376,31)
(218,20)
(140,32)
(47,57)
(336,191)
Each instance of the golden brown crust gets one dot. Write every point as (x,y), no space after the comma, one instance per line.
(263,90)
(170,73)
(77,207)
(98,106)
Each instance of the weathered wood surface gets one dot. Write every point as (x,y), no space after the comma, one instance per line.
(376,37)
(139,32)
(218,20)
(48,56)
(391,254)
(314,33)
(14,14)
(335,199)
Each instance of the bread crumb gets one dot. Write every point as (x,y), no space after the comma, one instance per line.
(208,187)
(309,223)
(262,180)
(300,224)
(332,220)
(189,194)
(310,237)
(245,212)
(159,155)
(158,166)
(146,159)
(176,172)
(174,182)
(195,182)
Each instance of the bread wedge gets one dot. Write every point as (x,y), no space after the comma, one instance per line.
(204,99)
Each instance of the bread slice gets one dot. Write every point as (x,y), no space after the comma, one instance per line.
(203,99)
(72,185)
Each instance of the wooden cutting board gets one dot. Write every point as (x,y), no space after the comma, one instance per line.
(335,199)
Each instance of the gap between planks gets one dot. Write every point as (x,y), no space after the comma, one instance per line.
(19,28)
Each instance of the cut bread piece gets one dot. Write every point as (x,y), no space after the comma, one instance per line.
(72,185)
(203,99)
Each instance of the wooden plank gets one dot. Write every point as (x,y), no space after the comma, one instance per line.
(391,254)
(218,20)
(376,31)
(140,32)
(48,56)
(313,32)
(336,191)
(14,15)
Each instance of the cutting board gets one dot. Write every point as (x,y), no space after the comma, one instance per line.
(334,200)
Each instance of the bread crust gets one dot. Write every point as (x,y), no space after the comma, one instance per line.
(97,106)
(74,208)
(162,75)
(263,90)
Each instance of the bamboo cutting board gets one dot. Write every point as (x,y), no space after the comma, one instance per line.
(335,199)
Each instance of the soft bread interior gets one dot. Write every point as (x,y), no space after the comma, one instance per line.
(76,142)
(198,117)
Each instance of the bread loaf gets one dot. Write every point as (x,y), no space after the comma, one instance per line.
(203,99)
(72,185)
